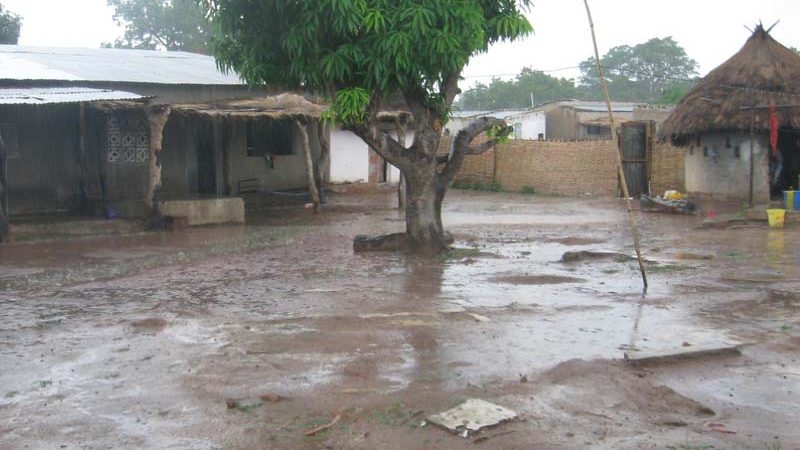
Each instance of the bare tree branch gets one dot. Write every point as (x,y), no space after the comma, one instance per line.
(461,146)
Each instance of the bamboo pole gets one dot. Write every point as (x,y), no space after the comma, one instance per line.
(615,140)
(752,153)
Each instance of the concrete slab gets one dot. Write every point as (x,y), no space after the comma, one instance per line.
(472,415)
(206,211)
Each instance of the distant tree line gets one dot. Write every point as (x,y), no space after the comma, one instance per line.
(656,71)
(10,26)
(176,25)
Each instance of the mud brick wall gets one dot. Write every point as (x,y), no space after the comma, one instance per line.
(558,167)
(565,167)
(667,169)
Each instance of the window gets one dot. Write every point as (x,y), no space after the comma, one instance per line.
(594,130)
(269,137)
(517,131)
(10,140)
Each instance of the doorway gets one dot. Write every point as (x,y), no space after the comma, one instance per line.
(636,141)
(788,163)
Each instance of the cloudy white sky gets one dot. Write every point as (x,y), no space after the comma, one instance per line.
(709,30)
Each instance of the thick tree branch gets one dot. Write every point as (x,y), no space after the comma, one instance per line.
(461,148)
(450,88)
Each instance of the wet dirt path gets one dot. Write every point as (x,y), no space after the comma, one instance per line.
(143,341)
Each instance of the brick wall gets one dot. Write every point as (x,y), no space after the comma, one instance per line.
(565,167)
(667,170)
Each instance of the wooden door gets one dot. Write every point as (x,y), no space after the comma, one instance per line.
(636,141)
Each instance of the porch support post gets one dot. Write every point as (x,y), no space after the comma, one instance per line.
(401,184)
(83,184)
(219,157)
(323,166)
(157,116)
(313,193)
(4,209)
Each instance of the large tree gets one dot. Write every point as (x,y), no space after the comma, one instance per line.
(178,25)
(529,86)
(643,72)
(364,52)
(10,26)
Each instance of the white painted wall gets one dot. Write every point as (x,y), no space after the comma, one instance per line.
(533,123)
(349,157)
(713,167)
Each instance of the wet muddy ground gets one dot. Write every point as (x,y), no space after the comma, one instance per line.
(245,337)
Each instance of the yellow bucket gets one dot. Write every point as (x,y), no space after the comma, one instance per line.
(776,217)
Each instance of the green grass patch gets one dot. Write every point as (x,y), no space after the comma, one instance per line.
(478,186)
(528,190)
(396,415)
(459,253)
(666,268)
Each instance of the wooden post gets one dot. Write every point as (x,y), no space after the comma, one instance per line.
(83,184)
(323,165)
(752,138)
(401,184)
(4,209)
(313,193)
(615,140)
(219,156)
(157,116)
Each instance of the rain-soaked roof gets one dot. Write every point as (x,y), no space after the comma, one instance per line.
(42,96)
(106,64)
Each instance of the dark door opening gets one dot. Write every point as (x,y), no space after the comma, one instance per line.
(636,140)
(785,168)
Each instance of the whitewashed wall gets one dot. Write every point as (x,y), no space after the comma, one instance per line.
(350,158)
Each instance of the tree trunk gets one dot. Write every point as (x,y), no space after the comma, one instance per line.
(424,193)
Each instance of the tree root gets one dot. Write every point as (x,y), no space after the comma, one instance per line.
(396,242)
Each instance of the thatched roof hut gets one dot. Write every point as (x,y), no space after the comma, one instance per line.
(739,91)
(283,106)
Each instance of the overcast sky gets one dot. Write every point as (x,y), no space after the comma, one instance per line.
(709,30)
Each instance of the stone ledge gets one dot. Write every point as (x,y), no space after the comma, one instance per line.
(206,211)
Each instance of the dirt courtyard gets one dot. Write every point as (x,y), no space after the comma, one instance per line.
(245,337)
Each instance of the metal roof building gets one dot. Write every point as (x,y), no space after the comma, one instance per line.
(111,65)
(44,96)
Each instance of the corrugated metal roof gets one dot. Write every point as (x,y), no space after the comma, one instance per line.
(105,64)
(43,96)
(499,114)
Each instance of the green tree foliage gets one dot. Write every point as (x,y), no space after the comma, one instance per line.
(10,26)
(643,72)
(517,93)
(178,25)
(363,52)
